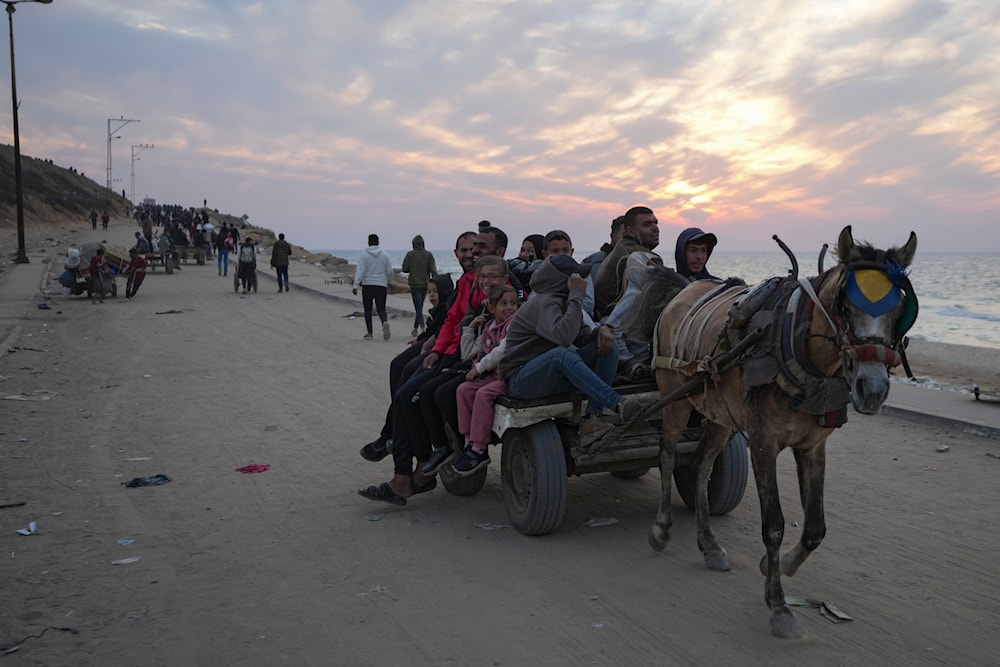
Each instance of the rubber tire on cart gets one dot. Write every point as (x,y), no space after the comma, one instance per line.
(457,485)
(114,289)
(236,279)
(168,264)
(252,283)
(728,481)
(631,473)
(533,473)
(199,256)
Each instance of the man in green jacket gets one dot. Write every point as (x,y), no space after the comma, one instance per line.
(280,252)
(642,234)
(419,264)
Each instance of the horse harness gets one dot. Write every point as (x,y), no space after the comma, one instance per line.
(777,313)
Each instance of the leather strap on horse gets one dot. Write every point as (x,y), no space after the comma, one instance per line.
(720,363)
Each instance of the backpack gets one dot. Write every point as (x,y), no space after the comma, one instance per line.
(228,242)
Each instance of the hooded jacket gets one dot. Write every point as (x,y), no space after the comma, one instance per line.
(552,317)
(609,283)
(680,257)
(436,315)
(374,268)
(419,264)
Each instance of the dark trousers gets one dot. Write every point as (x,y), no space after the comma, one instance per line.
(282,272)
(439,406)
(418,294)
(403,446)
(403,365)
(374,295)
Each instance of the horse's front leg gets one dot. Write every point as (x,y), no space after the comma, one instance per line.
(811,466)
(713,441)
(764,456)
(675,417)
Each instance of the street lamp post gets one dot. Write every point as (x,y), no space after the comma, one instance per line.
(135,152)
(22,255)
(111,135)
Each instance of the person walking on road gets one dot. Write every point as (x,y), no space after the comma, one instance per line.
(419,264)
(280,252)
(93,219)
(373,275)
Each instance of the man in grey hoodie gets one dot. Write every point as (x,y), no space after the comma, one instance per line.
(372,275)
(551,351)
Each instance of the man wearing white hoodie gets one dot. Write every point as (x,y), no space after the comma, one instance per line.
(373,275)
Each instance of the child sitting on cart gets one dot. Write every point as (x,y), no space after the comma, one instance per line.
(483,385)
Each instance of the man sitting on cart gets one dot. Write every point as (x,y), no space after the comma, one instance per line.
(551,351)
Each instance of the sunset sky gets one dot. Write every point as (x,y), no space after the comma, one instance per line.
(330,119)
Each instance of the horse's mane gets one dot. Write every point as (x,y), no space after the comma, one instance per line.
(662,285)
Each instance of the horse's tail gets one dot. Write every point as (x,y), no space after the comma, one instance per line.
(661,286)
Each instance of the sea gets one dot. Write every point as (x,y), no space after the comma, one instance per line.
(959,293)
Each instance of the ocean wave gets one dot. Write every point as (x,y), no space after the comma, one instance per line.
(960,311)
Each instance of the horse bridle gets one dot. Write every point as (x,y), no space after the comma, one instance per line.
(867,348)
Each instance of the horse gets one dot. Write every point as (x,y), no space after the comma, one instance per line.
(817,345)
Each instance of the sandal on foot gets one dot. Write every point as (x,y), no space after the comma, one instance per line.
(382,492)
(429,485)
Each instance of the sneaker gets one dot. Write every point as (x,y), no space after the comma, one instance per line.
(369,337)
(279,290)
(220,272)
(376,450)
(288,287)
(439,457)
(385,331)
(628,408)
(413,334)
(591,429)
(469,461)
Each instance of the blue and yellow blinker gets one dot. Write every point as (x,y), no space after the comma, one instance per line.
(872,291)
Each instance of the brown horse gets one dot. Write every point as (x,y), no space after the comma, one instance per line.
(824,342)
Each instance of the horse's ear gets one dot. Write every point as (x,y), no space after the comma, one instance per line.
(906,253)
(846,250)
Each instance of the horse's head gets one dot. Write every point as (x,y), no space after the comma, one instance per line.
(873,307)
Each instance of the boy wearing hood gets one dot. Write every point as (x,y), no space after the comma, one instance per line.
(691,253)
(373,274)
(551,351)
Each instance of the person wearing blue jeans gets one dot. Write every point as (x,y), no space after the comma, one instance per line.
(550,350)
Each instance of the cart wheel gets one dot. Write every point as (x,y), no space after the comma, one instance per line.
(114,289)
(631,473)
(168,263)
(728,481)
(533,472)
(457,485)
(200,257)
(236,280)
(253,281)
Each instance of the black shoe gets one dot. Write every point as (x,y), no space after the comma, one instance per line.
(469,461)
(376,450)
(439,457)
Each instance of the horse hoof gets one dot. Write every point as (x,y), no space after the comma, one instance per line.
(658,538)
(716,559)
(784,625)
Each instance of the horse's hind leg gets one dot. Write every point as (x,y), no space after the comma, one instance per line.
(811,466)
(675,416)
(713,442)
(764,457)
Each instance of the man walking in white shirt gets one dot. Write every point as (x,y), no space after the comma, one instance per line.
(373,275)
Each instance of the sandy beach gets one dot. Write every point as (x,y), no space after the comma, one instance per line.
(290,566)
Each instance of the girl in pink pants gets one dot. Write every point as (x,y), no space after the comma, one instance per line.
(482,384)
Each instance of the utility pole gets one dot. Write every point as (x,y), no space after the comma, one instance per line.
(111,135)
(135,152)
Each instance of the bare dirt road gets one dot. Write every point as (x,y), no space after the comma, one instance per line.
(290,566)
